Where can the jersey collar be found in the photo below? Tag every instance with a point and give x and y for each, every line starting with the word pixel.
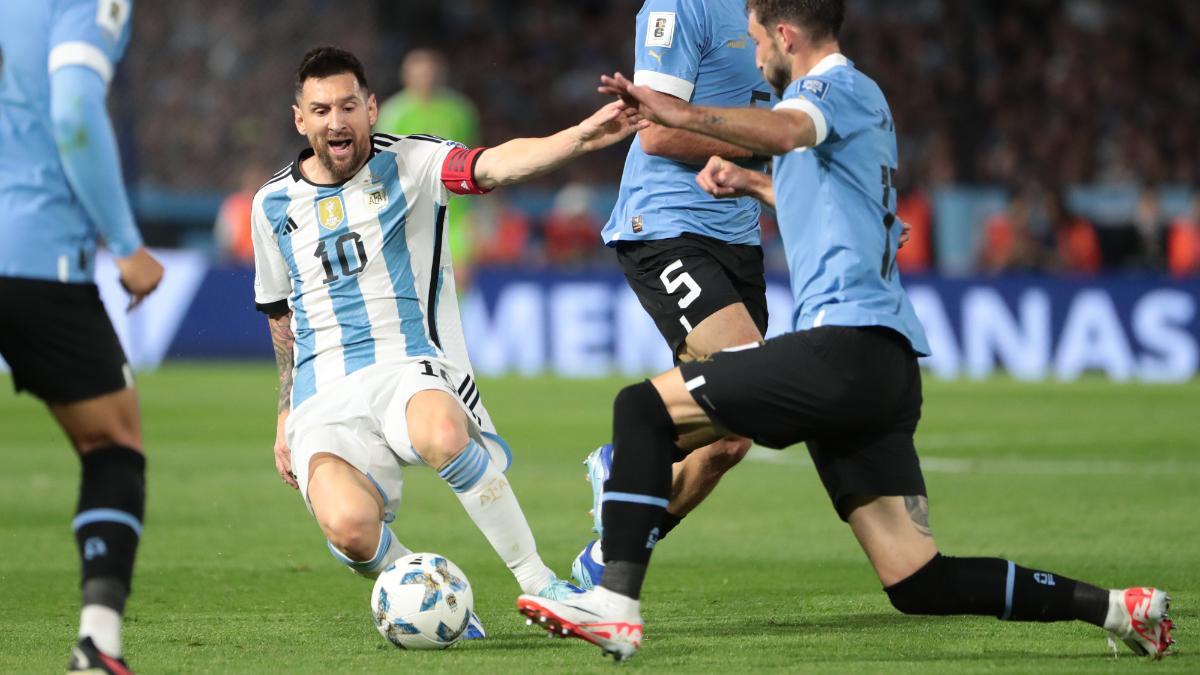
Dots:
pixel 827 64
pixel 298 175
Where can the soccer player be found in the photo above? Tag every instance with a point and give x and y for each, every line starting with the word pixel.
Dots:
pixel 353 273
pixel 694 262
pixel 846 381
pixel 61 188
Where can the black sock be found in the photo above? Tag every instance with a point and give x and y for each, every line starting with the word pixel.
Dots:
pixel 669 521
pixel 639 485
pixel 995 587
pixel 108 522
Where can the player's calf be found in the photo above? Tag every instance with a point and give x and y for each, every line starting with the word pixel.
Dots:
pixel 108 525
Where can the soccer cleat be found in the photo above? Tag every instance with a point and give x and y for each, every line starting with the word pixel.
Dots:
pixel 558 589
pixel 1144 625
pixel 86 658
pixel 599 466
pixel 592 616
pixel 588 567
pixel 474 630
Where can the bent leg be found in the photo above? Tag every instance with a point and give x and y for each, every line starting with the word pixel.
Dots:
pixel 350 511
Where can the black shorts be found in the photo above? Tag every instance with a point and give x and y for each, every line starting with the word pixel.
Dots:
pixel 853 394
pixel 58 340
pixel 683 280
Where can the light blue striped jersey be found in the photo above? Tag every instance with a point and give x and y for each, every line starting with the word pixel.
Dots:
pixel 363 265
pixel 836 205
pixel 45 232
pixel 699 51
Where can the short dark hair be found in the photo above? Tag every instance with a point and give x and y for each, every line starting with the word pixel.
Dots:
pixel 822 19
pixel 326 62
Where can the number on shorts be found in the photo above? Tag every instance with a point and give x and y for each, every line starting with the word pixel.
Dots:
pixel 675 284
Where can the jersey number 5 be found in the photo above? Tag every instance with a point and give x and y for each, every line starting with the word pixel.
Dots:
pixel 888 175
pixel 358 251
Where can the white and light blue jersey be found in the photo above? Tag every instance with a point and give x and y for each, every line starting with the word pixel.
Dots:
pixel 699 51
pixel 836 205
pixel 363 265
pixel 46 231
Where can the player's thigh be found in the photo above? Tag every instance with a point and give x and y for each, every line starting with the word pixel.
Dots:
pixel 681 282
pixel 730 326
pixel 437 426
pixel 434 410
pixel 102 421
pixel 341 496
pixel 894 533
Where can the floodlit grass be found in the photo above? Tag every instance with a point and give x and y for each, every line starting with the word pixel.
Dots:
pixel 1091 480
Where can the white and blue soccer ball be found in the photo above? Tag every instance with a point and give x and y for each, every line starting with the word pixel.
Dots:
pixel 422 601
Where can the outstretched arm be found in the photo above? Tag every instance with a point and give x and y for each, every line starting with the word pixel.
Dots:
pixel 722 178
pixel 764 132
pixel 282 340
pixel 523 158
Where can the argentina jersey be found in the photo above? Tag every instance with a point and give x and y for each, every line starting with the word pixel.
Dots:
pixel 699 51
pixel 364 265
pixel 836 205
pixel 46 232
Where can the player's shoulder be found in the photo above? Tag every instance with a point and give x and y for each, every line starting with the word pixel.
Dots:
pixel 411 143
pixel 834 75
pixel 279 180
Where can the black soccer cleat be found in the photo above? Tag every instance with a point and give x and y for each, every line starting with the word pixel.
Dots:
pixel 85 658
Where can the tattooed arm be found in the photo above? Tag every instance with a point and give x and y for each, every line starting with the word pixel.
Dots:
pixel 282 340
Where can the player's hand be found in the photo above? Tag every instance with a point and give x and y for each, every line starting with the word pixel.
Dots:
pixel 283 454
pixel 664 109
pixel 612 123
pixel 722 178
pixel 140 275
pixel 905 229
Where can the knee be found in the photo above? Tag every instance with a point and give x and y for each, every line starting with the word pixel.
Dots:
pixel 438 439
pixel 354 534
pixel 726 453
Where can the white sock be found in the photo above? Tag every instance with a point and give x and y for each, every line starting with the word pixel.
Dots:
pixel 388 551
pixel 598 554
pixel 1116 621
pixel 622 605
pixel 489 500
pixel 103 625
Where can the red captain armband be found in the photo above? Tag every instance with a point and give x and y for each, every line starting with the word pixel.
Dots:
pixel 458 171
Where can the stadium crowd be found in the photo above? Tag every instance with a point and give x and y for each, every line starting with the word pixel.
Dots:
pixel 1033 96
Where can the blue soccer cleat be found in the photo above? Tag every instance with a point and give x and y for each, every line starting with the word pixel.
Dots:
pixel 558 589
pixel 588 568
pixel 474 629
pixel 599 466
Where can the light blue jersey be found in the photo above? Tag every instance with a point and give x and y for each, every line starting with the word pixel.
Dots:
pixel 60 181
pixel 696 50
pixel 836 205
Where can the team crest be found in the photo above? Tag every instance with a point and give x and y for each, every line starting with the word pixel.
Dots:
pixel 376 198
pixel 331 212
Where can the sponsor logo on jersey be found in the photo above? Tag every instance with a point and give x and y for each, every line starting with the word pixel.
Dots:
pixel 331 212
pixel 656 55
pixel 661 30
pixel 815 87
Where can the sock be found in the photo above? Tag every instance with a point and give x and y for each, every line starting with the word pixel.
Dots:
pixel 639 485
pixel 488 498
pixel 388 551
pixel 108 525
pixel 996 587
pixel 669 521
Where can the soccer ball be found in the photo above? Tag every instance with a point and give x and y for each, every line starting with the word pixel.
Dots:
pixel 422 601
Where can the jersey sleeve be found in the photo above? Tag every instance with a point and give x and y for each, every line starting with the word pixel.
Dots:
pixel 438 166
pixel 272 283
pixel 830 103
pixel 89 33
pixel 671 37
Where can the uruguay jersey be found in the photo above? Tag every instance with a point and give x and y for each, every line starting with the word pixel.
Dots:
pixel 696 50
pixel 836 205
pixel 45 232
pixel 363 265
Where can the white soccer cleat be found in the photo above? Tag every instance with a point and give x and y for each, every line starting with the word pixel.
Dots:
pixel 595 616
pixel 1142 622
pixel 599 466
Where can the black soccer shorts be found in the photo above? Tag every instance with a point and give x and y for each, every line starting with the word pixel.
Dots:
pixel 683 280
pixel 58 341
pixel 853 394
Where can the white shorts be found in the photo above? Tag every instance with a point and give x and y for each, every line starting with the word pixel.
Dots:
pixel 362 420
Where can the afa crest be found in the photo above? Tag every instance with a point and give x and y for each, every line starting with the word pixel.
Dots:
pixel 331 212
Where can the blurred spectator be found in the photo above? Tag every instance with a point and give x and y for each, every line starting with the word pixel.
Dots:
pixel 1076 247
pixel 1008 242
pixel 1151 229
pixel 505 234
pixel 917 255
pixel 572 229
pixel 426 105
pixel 231 231
pixel 1183 247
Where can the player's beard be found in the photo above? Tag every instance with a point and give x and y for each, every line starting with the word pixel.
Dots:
pixel 343 168
pixel 777 71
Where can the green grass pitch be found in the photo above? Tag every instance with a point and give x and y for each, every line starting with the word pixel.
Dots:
pixel 1091 480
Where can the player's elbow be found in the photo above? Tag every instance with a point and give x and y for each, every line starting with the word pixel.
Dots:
pixel 70 124
pixel 782 142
